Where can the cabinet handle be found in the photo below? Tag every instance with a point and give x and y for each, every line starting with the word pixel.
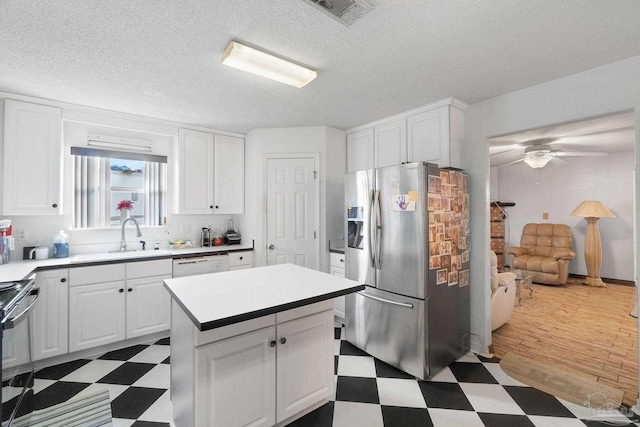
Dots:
pixel 121 290
pixel 216 206
pixel 55 205
pixel 63 280
pixel 210 206
pixel 341 260
pixel 129 290
pixel 283 340
pixel 240 258
pixel 272 344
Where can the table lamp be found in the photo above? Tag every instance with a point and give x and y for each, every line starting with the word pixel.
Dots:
pixel 593 210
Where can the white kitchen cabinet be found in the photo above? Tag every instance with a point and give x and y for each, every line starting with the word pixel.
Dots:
pixel 432 133
pixel 435 136
pixel 360 150
pixel 255 373
pixel 390 142
pixel 336 267
pixel 240 260
pixel 50 318
pixel 32 159
pixel 194 174
pixel 304 363
pixel 239 381
pixel 210 173
pixel 114 302
pixel 228 180
pixel 96 314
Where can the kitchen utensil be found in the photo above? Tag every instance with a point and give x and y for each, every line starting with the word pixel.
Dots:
pixel 5 223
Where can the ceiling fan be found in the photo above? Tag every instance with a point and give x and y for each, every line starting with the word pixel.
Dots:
pixel 538 153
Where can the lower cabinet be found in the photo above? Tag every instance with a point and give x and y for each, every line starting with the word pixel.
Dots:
pixel 96 315
pixel 134 304
pixel 336 267
pixel 50 317
pixel 257 378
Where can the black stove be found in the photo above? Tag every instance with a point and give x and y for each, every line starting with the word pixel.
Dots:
pixel 11 294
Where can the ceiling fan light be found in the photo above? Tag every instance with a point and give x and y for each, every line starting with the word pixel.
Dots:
pixel 538 161
pixel 263 64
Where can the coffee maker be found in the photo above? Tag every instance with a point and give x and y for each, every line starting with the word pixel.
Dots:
pixel 205 237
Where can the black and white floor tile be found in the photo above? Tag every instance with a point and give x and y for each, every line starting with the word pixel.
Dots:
pixel 473 391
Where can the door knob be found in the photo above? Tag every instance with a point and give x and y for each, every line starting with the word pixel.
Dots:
pixel 271 247
pixel 283 340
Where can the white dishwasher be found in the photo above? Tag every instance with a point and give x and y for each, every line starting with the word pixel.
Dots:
pixel 183 267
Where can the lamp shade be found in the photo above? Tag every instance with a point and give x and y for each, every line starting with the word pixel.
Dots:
pixel 537 162
pixel 592 209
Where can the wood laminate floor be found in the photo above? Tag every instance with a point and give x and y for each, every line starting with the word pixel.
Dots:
pixel 580 328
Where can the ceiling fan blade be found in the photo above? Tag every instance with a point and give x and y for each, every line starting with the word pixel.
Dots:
pixel 511 163
pixel 558 162
pixel 578 154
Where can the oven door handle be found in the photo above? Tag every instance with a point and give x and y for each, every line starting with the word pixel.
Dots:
pixel 9 322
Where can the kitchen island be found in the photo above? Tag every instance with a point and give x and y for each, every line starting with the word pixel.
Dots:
pixel 252 347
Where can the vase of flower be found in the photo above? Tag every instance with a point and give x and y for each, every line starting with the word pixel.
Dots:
pixel 124 206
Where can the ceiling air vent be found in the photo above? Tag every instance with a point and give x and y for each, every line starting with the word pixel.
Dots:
pixel 344 11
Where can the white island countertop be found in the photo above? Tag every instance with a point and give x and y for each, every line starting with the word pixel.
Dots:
pixel 221 299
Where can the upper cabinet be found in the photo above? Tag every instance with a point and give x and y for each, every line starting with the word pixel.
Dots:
pixel 210 174
pixel 32 159
pixel 228 180
pixel 429 134
pixel 360 150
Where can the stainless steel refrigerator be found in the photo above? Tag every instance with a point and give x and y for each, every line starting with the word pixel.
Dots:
pixel 407 239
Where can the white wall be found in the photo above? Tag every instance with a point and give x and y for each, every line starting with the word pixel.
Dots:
pixel 330 144
pixel 558 189
pixel 601 91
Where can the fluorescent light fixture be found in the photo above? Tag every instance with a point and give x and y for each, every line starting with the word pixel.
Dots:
pixel 263 64
pixel 538 161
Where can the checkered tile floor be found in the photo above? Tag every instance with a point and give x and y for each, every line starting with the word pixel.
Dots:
pixel 472 392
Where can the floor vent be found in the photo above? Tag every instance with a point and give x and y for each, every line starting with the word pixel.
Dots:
pixel 344 11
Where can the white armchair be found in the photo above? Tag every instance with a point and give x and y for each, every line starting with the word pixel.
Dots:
pixel 503 294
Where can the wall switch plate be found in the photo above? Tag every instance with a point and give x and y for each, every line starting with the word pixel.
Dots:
pixel 22 234
pixel 185 228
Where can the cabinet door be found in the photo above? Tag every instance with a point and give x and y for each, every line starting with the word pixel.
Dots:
pixel 228 180
pixel 194 172
pixel 96 315
pixel 360 150
pixel 32 165
pixel 50 319
pixel 391 143
pixel 428 137
pixel 237 381
pixel 148 306
pixel 304 363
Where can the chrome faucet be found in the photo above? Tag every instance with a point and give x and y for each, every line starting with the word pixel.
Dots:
pixel 123 241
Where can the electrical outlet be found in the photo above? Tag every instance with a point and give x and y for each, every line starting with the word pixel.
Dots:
pixel 185 228
pixel 23 234
pixel 545 215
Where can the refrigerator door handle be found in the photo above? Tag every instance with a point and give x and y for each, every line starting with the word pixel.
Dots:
pixel 378 227
pixel 372 225
pixel 388 301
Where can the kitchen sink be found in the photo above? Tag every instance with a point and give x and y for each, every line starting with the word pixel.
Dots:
pixel 108 256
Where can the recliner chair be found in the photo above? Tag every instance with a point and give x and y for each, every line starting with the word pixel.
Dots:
pixel 503 294
pixel 544 252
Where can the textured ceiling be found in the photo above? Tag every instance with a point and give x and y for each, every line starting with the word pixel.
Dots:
pixel 161 58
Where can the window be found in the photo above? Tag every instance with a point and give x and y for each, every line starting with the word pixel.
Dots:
pixel 103 178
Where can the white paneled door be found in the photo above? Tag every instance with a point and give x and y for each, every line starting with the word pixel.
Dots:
pixel 291 212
